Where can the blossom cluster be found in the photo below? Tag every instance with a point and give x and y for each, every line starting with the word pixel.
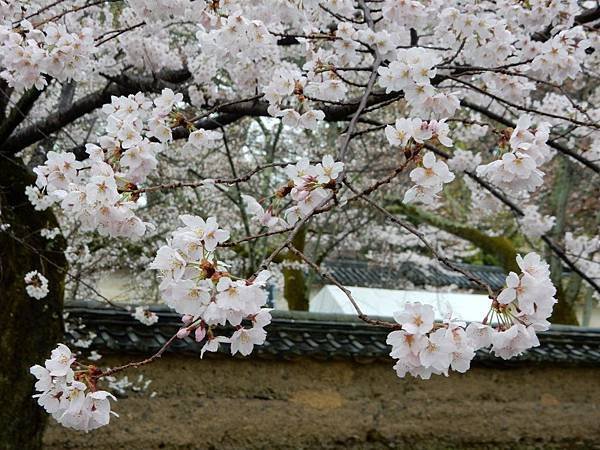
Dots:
pixel 481 37
pixel 158 10
pixel 585 252
pixel 423 347
pixel 560 57
pixel 63 394
pixel 28 55
pixel 522 308
pixel 509 88
pixel 201 138
pixel 518 170
pixel 36 285
pixel 145 316
pixel 464 161
pixel 96 191
pixel 419 131
pixel 308 187
pixel 286 84
pixel 412 72
pixel 236 37
pixel 528 298
pixel 198 286
pixel 429 180
pixel 533 224
pixel 540 14
pixel 263 217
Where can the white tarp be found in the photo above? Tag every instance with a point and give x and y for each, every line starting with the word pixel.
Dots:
pixel 384 302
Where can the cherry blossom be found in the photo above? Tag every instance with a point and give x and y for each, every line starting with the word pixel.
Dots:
pixel 244 340
pixel 36 285
pixel 192 89
pixel 416 318
pixel 529 297
pixel 518 170
pixel 145 316
pixel 125 157
pixel 533 224
pixel 71 402
pixel 423 349
pixel 204 138
pixel 200 288
pixel 264 218
pixel 429 180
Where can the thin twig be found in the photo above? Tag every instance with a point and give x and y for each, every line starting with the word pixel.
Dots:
pixel 137 364
pixel 408 227
pixel 325 275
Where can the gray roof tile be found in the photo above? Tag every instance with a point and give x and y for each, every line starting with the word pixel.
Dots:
pixel 367 274
pixel 322 336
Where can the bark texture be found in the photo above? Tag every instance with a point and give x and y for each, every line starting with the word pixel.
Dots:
pixel 29 328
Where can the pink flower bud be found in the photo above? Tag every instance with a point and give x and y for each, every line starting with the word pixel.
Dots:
pixel 187 319
pixel 199 334
pixel 182 333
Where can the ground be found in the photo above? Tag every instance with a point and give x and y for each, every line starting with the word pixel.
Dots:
pixel 306 404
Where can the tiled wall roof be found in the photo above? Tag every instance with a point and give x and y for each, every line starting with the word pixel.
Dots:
pixel 295 334
pixel 361 273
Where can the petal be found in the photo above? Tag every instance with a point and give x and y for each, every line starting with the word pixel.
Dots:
pixel 507 296
pixel 512 280
pixel 429 160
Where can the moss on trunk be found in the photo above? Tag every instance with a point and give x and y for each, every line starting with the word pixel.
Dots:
pixel 294 288
pixel 503 251
pixel 564 310
pixel 500 248
pixel 29 328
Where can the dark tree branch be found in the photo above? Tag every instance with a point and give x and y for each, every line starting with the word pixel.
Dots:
pixel 119 85
pixel 67 94
pixel 588 16
pixel 5 93
pixel 555 145
pixel 19 112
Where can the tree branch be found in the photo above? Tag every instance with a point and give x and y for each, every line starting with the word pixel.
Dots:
pixel 555 145
pixel 120 85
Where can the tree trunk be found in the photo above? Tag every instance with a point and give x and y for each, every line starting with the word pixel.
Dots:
pixel 294 287
pixel 564 310
pixel 29 328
